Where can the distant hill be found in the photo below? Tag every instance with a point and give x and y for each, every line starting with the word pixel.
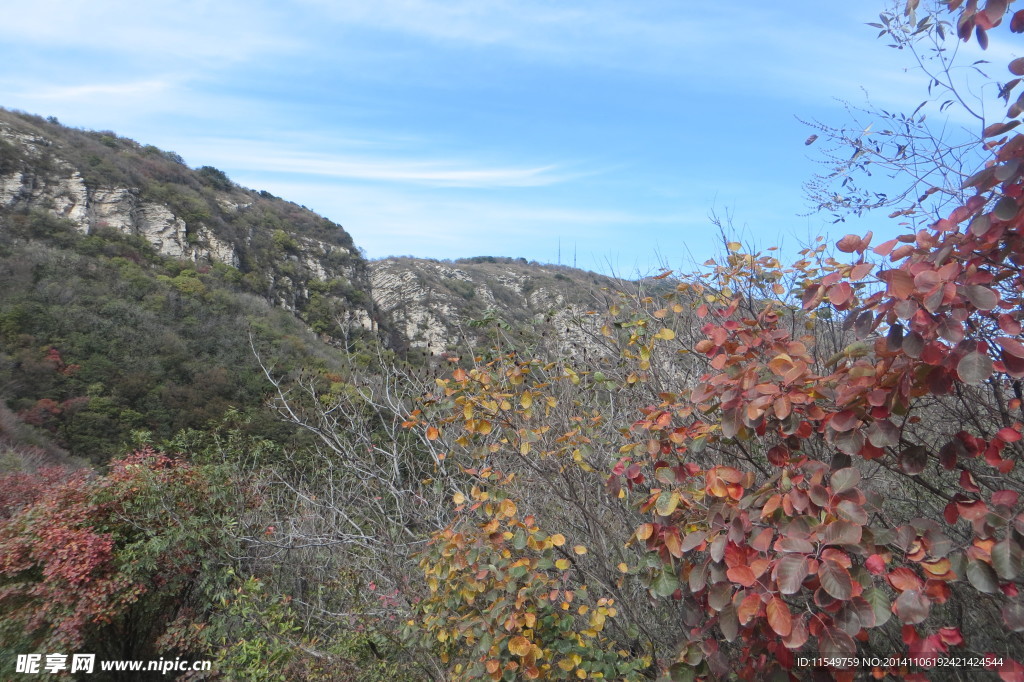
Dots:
pixel 448 306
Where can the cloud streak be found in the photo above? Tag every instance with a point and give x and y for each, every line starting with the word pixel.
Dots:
pixel 429 172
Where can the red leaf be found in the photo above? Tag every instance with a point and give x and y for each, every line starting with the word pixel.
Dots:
pixel 791 571
pixel 779 617
pixel 898 283
pixel 748 608
pixel 834 643
pixel 844 421
pixel 982 297
pixel 1006 498
pixel 951 636
pixel 1011 346
pixel 841 533
pixel 968 483
pixel 903 579
pixel 972 510
pixel 741 575
pixel 914 459
pixel 875 563
pixel 798 636
pixel 1008 435
pixel 835 580
pixel 849 244
pixel 840 293
pixel 1011 671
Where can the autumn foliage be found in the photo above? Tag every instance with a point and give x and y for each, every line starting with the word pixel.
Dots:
pixel 825 488
pixel 124 564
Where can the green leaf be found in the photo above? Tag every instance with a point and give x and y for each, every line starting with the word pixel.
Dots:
pixel 982 577
pixel 879 605
pixel 1006 208
pixel 680 672
pixel 1007 559
pixel 975 368
pixel 665 583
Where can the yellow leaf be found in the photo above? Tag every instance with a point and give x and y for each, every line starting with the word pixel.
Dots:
pixel 566 664
pixel 508 508
pixel 579 549
pixel 526 400
pixel 519 646
pixel 562 564
pixel 557 539
pixel 734 246
pixel 458 498
pixel 665 334
pixel 623 568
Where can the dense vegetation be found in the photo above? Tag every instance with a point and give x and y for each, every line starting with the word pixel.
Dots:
pixel 731 469
pixel 102 338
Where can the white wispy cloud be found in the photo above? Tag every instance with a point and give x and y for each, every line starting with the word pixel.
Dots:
pixel 270 158
pixel 387 220
pixel 144 88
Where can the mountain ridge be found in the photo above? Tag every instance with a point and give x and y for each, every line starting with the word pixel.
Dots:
pixel 283 252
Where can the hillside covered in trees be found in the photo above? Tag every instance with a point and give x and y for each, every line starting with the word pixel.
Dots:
pixel 227 436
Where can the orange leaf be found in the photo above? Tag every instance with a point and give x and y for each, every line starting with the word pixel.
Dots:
pixel 779 617
pixel 519 646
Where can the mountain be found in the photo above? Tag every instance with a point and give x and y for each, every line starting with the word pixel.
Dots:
pixel 97 181
pixel 133 289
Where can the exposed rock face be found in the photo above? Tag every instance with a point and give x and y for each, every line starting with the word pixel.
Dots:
pixel 86 179
pixel 441 307
pixel 65 194
pixel 285 253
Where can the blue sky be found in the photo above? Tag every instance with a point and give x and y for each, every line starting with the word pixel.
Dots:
pixel 451 128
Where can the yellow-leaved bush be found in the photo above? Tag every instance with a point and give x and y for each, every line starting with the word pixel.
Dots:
pixel 506 602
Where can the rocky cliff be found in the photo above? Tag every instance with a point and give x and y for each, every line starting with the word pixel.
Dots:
pixel 286 254
pixel 99 181
pixel 450 306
